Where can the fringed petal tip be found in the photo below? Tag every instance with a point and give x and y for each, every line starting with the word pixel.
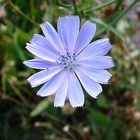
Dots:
pixel 74 106
pixel 28 45
pixel 92 23
pixel 108 79
pixel 113 65
pixel 40 95
pixel 30 82
pixel 25 62
pixel 69 16
pixel 108 44
pixel 98 95
pixel 61 106
pixel 32 85
pixel 77 106
pixel 33 38
pixel 112 62
pixel 44 23
pixel 58 106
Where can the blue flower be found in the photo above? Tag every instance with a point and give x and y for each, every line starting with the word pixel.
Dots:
pixel 68 60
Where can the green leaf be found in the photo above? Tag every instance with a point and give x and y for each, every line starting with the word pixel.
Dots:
pixel 18 47
pixel 39 108
pixel 99 118
pixel 101 101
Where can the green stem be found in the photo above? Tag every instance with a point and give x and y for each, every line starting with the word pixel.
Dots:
pixel 21 13
pixel 101 6
pixel 17 92
pixel 124 12
pixel 3 82
pixel 32 9
pixel 119 2
pixel 113 22
pixel 75 7
pixel 4 5
pixel 64 5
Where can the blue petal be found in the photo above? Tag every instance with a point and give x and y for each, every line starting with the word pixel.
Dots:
pixel 43 76
pixel 92 87
pixel 85 36
pixel 52 36
pixel 52 85
pixel 97 62
pixel 40 40
pixel 41 52
pixel 75 92
pixel 99 47
pixel 39 63
pixel 61 93
pixel 68 29
pixel 100 76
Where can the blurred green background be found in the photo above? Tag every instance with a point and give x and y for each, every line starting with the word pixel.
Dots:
pixel 115 115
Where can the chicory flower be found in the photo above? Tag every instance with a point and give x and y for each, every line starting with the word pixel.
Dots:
pixel 68 61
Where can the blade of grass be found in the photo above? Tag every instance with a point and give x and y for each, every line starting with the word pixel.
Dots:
pixel 119 2
pixel 18 48
pixel 17 92
pixel 101 6
pixel 16 8
pixel 41 106
pixel 75 7
pixel 124 12
pixel 3 82
pixel 32 10
pixel 118 17
pixel 63 4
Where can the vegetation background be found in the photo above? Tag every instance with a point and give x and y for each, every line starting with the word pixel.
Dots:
pixel 115 115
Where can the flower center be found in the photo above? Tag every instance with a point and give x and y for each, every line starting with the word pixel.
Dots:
pixel 67 61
